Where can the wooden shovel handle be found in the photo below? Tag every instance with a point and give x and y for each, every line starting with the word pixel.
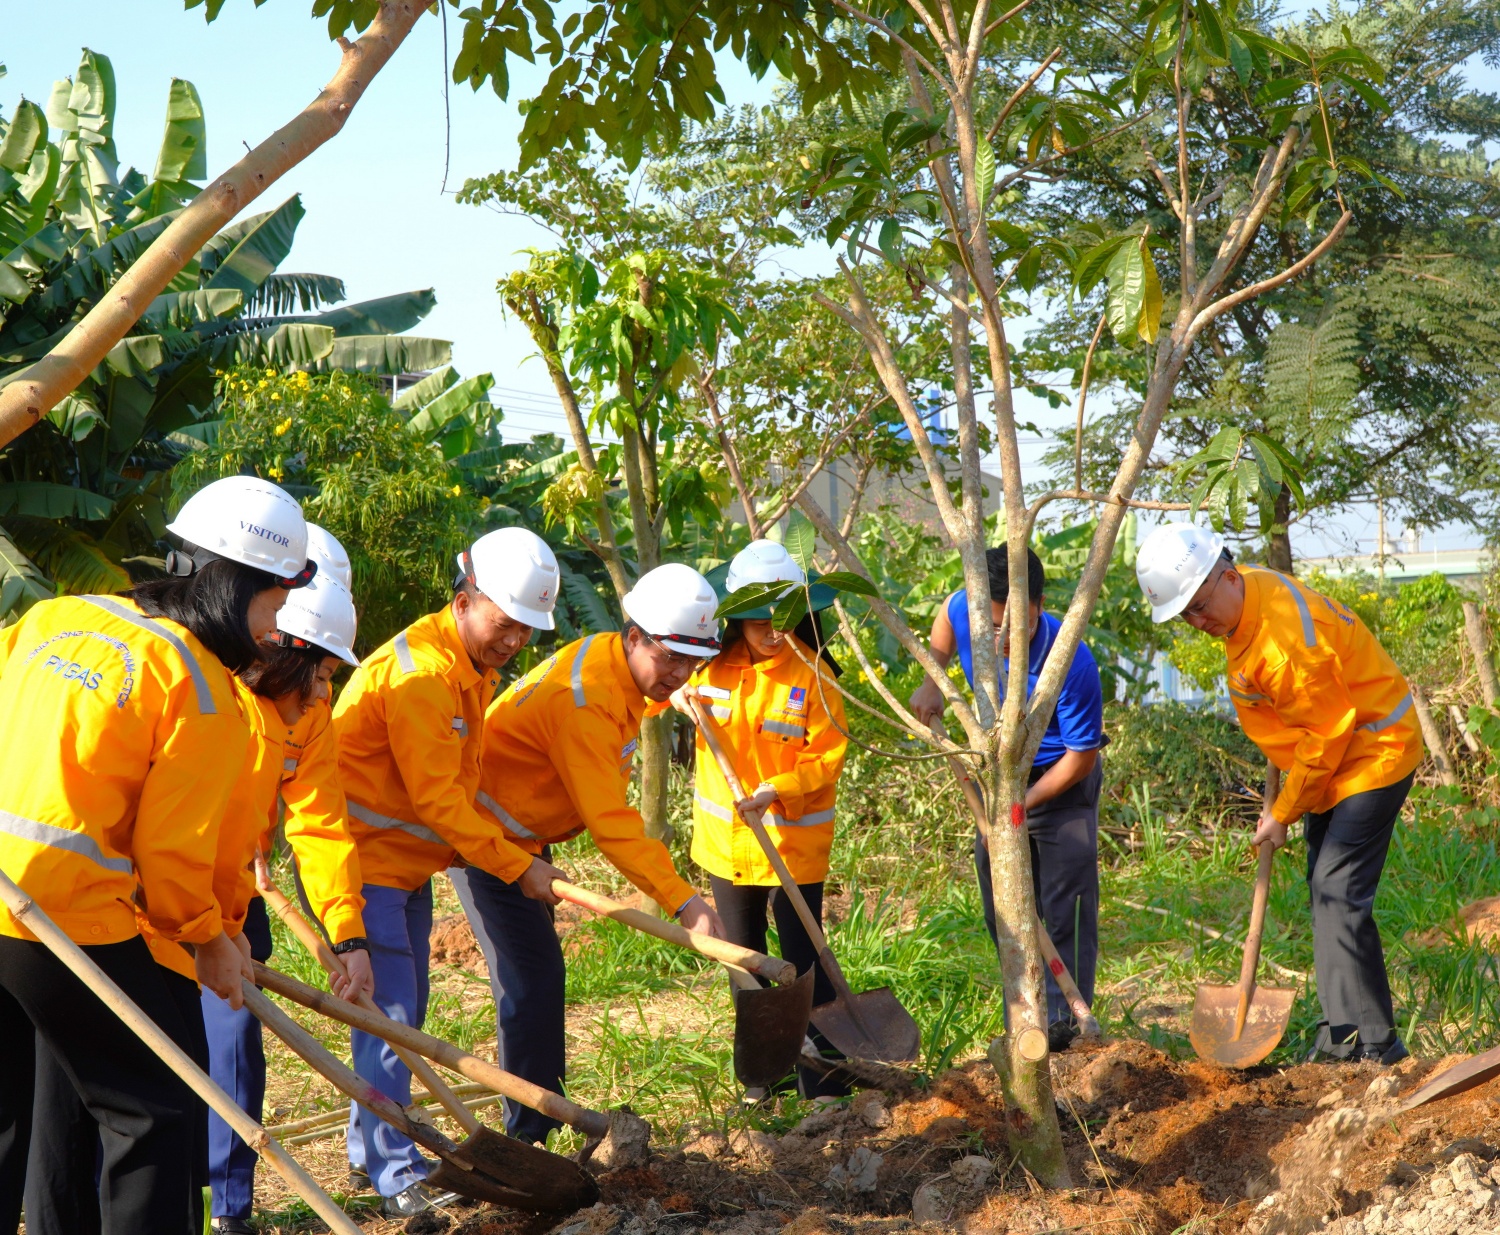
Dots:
pixel 309 938
pixel 710 730
pixel 31 915
pixel 1251 960
pixel 553 1105
pixel 345 1079
pixel 772 967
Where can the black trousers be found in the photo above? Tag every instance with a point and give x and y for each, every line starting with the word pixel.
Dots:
pixel 1346 851
pixel 743 909
pixel 62 1173
pixel 1064 836
pixel 528 980
pixel 144 1114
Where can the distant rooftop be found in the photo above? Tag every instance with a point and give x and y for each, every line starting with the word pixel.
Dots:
pixel 1404 564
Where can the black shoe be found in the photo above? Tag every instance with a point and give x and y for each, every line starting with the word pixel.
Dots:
pixel 1060 1035
pixel 231 1226
pixel 358 1179
pixel 416 1199
pixel 1385 1056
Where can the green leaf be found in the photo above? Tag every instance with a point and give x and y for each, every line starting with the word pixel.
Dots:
pixel 260 249
pixel 1150 321
pixel 801 539
pixel 848 581
pixel 790 611
pixel 1029 268
pixel 984 170
pixel 1240 58
pixel 27 132
pixel 385 354
pixel 387 315
pixel 136 355
pixel 42 500
pixel 1092 263
pixel 437 414
pixel 293 346
pixel 1211 28
pixel 1126 302
pixel 184 145
pixel 425 391
pixel 21 583
pixel 750 597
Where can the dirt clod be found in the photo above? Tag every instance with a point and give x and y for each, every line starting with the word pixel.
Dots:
pixel 430 1223
pixel 453 943
pixel 627 1145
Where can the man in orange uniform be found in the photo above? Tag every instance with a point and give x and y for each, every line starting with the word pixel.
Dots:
pixel 558 748
pixel 1330 709
pixel 408 727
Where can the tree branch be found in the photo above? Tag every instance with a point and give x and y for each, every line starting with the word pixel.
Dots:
pixel 1083 394
pixel 25 400
pixel 1024 86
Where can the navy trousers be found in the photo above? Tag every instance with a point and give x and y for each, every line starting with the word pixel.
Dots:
pixel 528 979
pixel 1064 835
pixel 237 1061
pixel 1346 850
pixel 398 925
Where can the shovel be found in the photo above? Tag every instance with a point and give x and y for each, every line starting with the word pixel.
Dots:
pixel 870 1025
pixel 1455 1080
pixel 30 914
pixel 508 1173
pixel 490 1151
pixel 1088 1024
pixel 769 1021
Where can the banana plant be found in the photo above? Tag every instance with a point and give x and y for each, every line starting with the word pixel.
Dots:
pixel 81 496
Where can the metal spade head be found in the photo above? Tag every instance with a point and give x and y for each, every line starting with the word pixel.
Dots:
pixel 1455 1080
pixel 870 1025
pixel 1212 1030
pixel 515 1173
pixel 769 1025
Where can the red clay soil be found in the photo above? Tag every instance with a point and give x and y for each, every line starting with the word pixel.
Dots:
pixel 1168 1143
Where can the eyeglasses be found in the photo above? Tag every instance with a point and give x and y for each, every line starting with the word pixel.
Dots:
pixel 676 659
pixel 1199 607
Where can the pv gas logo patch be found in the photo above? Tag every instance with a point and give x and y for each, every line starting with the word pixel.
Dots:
pixel 797 702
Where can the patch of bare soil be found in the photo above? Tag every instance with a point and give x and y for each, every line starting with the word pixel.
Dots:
pixel 1154 1145
pixel 1479 919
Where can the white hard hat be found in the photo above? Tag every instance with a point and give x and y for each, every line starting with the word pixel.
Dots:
pixel 518 571
pixel 1172 564
pixel 324 548
pixel 247 520
pixel 321 614
pixel 763 561
pixel 675 605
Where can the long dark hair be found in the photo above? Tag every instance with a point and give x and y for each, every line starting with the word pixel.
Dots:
pixel 213 603
pixel 285 671
pixel 809 632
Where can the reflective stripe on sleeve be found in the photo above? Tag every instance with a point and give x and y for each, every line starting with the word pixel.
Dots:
pixel 461 726
pixel 784 729
pixel 579 698
pixel 376 820
pixel 50 836
pixel 1248 696
pixel 200 683
pixel 288 765
pixel 505 817
pixel 1391 717
pixel 714 692
pixel 403 653
pixel 1309 632
pixel 772 819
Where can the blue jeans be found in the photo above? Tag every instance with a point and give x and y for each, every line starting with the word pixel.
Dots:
pixel 398 924
pixel 237 1061
pixel 528 979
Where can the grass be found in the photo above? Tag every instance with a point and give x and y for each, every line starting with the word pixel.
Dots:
pixel 650 1026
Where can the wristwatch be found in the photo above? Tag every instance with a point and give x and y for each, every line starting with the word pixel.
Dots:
pixel 358 944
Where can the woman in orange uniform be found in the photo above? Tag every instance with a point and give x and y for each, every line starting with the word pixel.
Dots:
pixel 291 686
pixel 123 713
pixel 785 732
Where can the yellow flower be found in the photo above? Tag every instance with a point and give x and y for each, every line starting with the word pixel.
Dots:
pixel 262 384
pixel 283 426
pixel 345 391
pixel 275 396
pixel 277 473
pixel 456 490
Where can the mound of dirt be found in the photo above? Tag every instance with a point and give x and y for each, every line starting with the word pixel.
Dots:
pixel 1480 920
pixel 453 943
pixel 1153 1144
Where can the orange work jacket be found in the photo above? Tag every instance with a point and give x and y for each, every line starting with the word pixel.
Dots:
pixel 317 825
pixel 123 742
pixel 780 728
pixel 1319 696
pixel 558 748
pixel 409 724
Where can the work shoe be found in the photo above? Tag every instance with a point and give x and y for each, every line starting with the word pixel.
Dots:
pixel 231 1226
pixel 358 1179
pixel 755 1095
pixel 1385 1056
pixel 1060 1035
pixel 418 1198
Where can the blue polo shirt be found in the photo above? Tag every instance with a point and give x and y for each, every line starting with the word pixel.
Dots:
pixel 1078 722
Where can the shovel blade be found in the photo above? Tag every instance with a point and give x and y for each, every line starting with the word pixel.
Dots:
pixel 769 1026
pixel 1455 1080
pixel 1212 1030
pixel 870 1025
pixel 514 1173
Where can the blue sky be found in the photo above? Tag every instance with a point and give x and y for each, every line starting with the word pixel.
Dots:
pixel 376 213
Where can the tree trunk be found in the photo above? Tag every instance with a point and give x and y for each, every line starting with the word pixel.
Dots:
pixel 1461 723
pixel 1020 1057
pixel 1433 736
pixel 1279 543
pixel 656 776
pixel 26 400
pixel 1474 628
